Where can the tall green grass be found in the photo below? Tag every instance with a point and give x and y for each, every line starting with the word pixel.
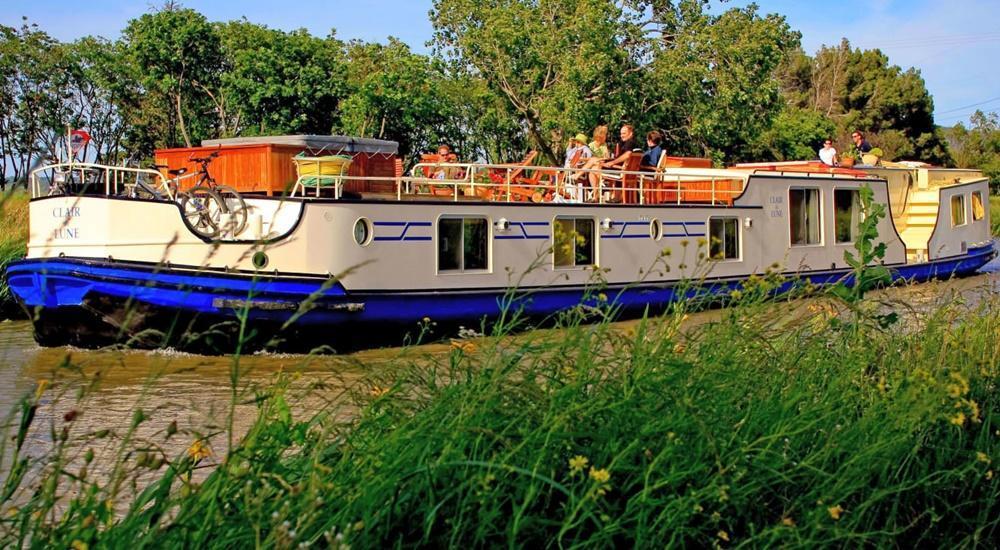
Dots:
pixel 767 426
pixel 995 215
pixel 13 240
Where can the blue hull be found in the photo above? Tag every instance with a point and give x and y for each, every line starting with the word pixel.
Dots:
pixel 125 299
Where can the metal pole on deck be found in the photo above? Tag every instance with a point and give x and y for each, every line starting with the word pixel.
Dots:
pixel 508 185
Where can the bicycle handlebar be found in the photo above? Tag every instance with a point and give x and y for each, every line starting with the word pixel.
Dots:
pixel 205 160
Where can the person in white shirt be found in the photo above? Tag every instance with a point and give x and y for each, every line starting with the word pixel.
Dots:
pixel 828 154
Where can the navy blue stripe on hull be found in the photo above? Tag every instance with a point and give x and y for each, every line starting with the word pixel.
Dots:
pixel 67 283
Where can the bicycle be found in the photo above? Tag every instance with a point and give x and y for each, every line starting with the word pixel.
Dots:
pixel 209 208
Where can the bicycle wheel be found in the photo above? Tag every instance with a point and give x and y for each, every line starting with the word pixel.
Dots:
pixel 202 208
pixel 236 208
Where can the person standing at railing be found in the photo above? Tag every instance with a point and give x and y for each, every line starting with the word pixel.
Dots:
pixel 828 154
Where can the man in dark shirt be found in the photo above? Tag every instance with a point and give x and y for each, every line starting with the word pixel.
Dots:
pixel 625 146
pixel 860 143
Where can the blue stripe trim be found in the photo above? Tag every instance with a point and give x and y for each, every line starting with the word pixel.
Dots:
pixel 524 232
pixel 402 235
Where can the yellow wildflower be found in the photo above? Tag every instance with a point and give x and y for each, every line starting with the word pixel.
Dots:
pixel 600 476
pixel 602 297
pixel 989 475
pixel 788 522
pixel 198 450
pixel 723 535
pixel 577 463
pixel 378 391
pixel 835 511
pixel 983 457
pixel 958 419
pixel 78 545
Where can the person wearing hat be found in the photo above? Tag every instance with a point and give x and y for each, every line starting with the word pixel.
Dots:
pixel 577 153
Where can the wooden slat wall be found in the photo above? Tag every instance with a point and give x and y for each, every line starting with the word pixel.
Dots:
pixel 269 168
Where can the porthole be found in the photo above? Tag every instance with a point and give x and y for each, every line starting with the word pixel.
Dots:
pixel 655 230
pixel 362 231
pixel 259 260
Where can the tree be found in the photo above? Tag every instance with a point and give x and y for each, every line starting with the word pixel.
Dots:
pixel 278 83
pixel 560 65
pixel 860 90
pixel 99 98
pixel 177 58
pixel 978 146
pixel 397 95
pixel 33 93
pixel 713 87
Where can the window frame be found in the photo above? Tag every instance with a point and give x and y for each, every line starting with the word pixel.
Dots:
pixel 462 270
pixel 595 239
pixel 972 205
pixel 739 239
pixel 857 195
pixel 964 210
pixel 819 209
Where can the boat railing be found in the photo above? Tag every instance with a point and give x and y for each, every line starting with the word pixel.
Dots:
pixel 83 177
pixel 449 181
pixel 519 183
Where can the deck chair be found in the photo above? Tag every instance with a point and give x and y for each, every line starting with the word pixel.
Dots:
pixel 320 172
pixel 654 192
pixel 430 171
pixel 627 182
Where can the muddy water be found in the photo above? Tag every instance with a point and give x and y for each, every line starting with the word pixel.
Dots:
pixel 102 389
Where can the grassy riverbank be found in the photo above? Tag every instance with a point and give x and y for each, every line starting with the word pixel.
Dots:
pixel 13 240
pixel 762 428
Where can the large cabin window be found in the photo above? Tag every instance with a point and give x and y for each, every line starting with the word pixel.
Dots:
pixel 846 214
pixel 463 244
pixel 573 242
pixel 724 239
pixel 978 208
pixel 803 216
pixel 957 210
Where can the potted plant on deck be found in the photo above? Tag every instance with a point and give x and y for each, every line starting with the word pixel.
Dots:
pixel 848 159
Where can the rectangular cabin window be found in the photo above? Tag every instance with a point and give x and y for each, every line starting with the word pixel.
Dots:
pixel 846 214
pixel 463 244
pixel 803 205
pixel 724 238
pixel 957 210
pixel 573 242
pixel 978 208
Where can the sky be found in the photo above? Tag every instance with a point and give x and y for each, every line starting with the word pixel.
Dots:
pixel 954 43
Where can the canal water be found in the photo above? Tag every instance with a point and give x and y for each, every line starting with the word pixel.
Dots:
pixel 100 390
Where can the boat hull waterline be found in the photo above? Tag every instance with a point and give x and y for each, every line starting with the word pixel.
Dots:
pixel 92 303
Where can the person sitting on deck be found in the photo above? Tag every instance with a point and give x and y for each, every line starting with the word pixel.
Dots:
pixel 828 154
pixel 444 155
pixel 626 146
pixel 598 148
pixel 651 158
pixel 578 152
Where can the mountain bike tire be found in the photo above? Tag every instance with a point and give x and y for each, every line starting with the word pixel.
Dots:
pixel 236 207
pixel 202 208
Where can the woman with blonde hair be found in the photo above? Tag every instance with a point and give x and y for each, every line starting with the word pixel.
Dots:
pixel 600 151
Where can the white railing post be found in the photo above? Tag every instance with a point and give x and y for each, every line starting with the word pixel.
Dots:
pixel 508 184
pixel 642 198
pixel 678 189
pixel 713 190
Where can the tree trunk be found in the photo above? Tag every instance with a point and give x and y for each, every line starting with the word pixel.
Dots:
pixel 180 120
